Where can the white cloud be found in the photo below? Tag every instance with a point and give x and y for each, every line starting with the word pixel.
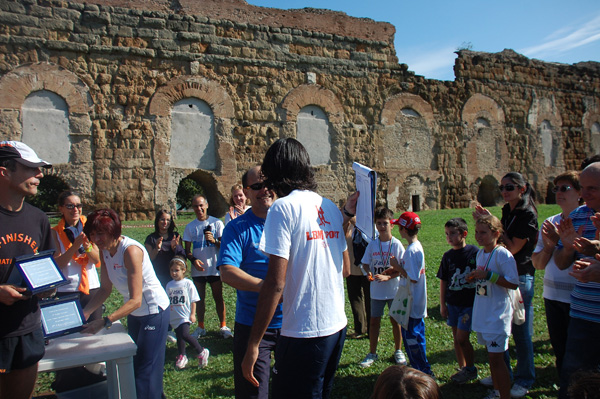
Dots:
pixel 566 39
pixel 435 64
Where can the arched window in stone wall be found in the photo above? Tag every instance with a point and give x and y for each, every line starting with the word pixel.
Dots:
pixel 408 146
pixel 192 135
pixel 48 107
pixel 485 148
pixel 46 126
pixel 409 112
pixel 595 138
pixel 407 141
pixel 482 123
pixel 313 131
pixel 193 138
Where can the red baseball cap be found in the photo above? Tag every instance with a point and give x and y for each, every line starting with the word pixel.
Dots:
pixel 21 153
pixel 410 220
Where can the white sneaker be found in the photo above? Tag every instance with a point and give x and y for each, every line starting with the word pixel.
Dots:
pixel 518 391
pixel 399 357
pixel 492 394
pixel 226 332
pixel 487 381
pixel 181 362
pixel 171 338
pixel 198 332
pixel 203 358
pixel 368 360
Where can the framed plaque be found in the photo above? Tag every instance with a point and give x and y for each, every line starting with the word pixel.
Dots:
pixel 40 271
pixel 61 316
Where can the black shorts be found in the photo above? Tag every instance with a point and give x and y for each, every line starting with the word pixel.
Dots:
pixel 21 352
pixel 206 279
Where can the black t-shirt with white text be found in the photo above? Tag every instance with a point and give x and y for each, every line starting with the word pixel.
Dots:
pixel 21 233
pixel 454 268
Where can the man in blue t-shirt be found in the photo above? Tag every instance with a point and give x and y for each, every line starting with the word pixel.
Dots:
pixel 244 267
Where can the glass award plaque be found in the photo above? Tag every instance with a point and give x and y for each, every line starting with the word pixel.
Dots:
pixel 61 316
pixel 40 272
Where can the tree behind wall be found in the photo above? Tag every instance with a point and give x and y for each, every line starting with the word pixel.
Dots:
pixel 48 190
pixel 186 191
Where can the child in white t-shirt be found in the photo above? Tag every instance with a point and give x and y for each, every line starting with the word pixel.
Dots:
pixel 496 273
pixel 183 297
pixel 375 262
pixel 412 266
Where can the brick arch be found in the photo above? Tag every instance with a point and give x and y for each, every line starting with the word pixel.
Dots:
pixel 185 87
pixel 395 104
pixel 481 106
pixel 167 177
pixel 310 94
pixel 26 79
pixel 16 85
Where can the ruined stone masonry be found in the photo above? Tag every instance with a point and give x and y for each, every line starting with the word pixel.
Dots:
pixel 127 98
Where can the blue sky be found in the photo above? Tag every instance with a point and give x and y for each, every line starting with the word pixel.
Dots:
pixel 428 32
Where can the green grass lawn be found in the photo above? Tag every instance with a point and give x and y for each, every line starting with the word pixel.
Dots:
pixel 216 381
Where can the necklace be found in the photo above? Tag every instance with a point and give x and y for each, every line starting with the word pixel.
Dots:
pixel 385 260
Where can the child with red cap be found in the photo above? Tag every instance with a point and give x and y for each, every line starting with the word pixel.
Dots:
pixel 412 266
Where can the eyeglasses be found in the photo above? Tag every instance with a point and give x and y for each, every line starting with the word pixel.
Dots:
pixel 562 189
pixel 257 186
pixel 72 206
pixel 507 187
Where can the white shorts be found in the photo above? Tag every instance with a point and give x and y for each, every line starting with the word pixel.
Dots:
pixel 495 343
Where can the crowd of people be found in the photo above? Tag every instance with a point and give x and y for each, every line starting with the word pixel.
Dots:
pixel 287 251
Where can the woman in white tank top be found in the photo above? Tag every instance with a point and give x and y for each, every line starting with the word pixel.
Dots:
pixel 127 266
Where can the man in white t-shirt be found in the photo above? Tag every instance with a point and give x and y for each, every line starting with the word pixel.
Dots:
pixel 202 240
pixel 308 260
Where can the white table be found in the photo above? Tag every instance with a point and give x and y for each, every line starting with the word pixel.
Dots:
pixel 113 346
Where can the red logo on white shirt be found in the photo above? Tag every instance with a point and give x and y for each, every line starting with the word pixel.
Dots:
pixel 321 213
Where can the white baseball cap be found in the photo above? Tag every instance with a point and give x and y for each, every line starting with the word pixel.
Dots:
pixel 21 153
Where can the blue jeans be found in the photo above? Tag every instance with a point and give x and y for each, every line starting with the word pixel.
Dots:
pixel 305 367
pixel 582 351
pixel 525 373
pixel 150 335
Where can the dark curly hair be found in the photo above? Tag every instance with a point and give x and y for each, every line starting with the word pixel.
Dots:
pixel 286 167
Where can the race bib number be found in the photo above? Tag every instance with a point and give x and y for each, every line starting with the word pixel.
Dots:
pixel 482 289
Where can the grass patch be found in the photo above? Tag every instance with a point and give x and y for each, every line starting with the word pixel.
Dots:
pixel 216 381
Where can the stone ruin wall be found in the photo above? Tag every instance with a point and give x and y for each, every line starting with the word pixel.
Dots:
pixel 121 66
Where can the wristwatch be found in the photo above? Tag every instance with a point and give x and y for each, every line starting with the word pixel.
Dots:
pixel 107 323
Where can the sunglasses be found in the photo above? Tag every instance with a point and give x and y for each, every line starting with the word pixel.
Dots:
pixel 507 187
pixel 562 189
pixel 73 206
pixel 257 186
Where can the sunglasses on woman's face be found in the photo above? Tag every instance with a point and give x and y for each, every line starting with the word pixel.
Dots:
pixel 72 206
pixel 562 189
pixel 507 187
pixel 257 186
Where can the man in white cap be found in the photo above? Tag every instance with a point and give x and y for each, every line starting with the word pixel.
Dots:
pixel 24 229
